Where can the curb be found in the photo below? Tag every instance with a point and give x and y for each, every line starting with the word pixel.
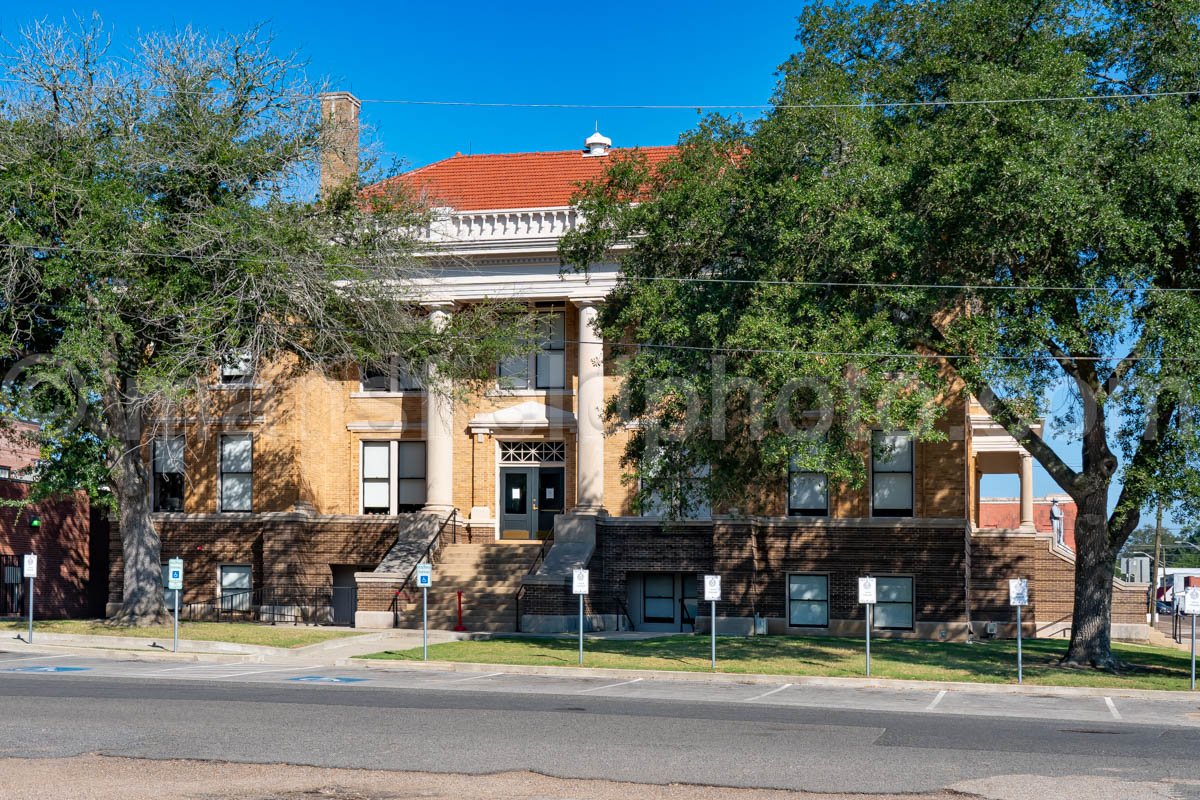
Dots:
pixel 131 655
pixel 892 684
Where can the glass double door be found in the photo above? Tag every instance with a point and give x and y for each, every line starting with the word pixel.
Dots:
pixel 530 497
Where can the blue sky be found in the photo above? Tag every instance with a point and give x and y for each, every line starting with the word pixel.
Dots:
pixel 579 52
pixel 619 53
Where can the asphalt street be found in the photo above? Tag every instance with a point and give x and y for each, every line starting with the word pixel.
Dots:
pixel 822 739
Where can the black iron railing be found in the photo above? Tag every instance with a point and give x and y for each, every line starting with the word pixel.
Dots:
pixel 274 606
pixel 547 543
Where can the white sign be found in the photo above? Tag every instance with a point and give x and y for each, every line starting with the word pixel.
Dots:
pixel 1018 591
pixel 424 576
pixel 30 566
pixel 579 581
pixel 1191 600
pixel 866 591
pixel 175 574
pixel 712 587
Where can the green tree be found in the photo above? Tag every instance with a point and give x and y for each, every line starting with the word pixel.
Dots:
pixel 885 239
pixel 153 231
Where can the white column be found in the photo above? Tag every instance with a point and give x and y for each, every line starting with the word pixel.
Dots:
pixel 439 432
pixel 1027 492
pixel 589 464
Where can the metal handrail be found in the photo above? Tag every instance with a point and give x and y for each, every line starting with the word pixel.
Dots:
pixel 547 543
pixel 684 617
pixel 427 556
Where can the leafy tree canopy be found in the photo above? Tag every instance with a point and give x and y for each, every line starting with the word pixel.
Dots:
pixel 887 239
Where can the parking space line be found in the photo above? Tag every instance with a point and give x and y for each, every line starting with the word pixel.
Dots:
pixel 934 703
pixel 475 677
pixel 609 686
pixel 776 690
pixel 262 672
pixel 191 666
pixel 1108 701
pixel 34 658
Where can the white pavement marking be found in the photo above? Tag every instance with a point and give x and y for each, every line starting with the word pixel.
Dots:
pixel 33 658
pixel 776 690
pixel 475 677
pixel 936 700
pixel 609 686
pixel 1112 707
pixel 262 671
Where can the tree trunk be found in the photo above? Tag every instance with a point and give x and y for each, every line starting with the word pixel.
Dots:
pixel 1091 640
pixel 142 601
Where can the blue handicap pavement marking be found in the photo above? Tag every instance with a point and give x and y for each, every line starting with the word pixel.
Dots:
pixel 47 669
pixel 325 679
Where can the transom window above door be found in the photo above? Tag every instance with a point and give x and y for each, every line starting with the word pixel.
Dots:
pixel 533 452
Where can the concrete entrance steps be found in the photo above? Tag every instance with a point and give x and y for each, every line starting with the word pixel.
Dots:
pixel 487 574
pixel 1162 634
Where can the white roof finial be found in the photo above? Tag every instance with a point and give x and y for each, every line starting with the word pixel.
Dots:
pixel 597 144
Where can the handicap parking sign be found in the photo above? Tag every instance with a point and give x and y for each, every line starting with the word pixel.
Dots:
pixel 424 576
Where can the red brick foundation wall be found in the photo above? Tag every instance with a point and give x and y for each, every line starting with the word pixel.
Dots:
pixel 289 553
pixel 66 585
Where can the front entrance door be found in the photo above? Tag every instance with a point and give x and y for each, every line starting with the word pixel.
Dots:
pixel 530 497
pixel 517 503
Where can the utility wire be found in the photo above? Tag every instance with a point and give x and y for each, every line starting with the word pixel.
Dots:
pixel 983 287
pixel 863 104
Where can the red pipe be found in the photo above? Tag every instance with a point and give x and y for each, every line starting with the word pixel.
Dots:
pixel 459 626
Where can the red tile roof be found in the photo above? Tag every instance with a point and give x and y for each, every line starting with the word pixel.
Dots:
pixel 513 180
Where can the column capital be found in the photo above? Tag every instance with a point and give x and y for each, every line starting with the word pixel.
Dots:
pixel 445 306
pixel 587 302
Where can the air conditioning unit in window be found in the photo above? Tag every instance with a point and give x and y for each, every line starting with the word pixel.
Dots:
pixel 990 630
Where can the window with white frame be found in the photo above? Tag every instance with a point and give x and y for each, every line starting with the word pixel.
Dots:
pixel 237 472
pixel 237 370
pixel 891 474
pixel 393 477
pixel 808 601
pixel 236 587
pixel 390 377
pixel 167 460
pixel 894 602
pixel 686 499
pixel 808 493
pixel 545 368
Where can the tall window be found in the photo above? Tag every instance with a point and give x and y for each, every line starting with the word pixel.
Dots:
pixel 377 477
pixel 891 474
pixel 894 602
pixel 808 493
pixel 168 473
pixel 808 601
pixel 237 472
pixel 237 370
pixel 393 477
pixel 658 597
pixel 394 376
pixel 546 367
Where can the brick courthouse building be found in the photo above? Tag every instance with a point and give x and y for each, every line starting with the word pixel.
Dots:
pixel 321 494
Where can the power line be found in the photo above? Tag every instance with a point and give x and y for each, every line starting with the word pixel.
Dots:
pixel 648 278
pixel 862 104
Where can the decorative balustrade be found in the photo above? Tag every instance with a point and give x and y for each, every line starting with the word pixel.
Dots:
pixel 491 226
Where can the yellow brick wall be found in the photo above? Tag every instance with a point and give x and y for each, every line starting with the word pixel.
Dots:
pixel 305 452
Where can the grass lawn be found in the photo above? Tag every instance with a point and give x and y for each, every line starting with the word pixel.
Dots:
pixel 237 632
pixel 985 662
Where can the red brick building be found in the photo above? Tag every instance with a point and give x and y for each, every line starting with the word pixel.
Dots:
pixel 1005 512
pixel 70 540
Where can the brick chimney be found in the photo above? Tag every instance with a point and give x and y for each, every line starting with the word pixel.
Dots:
pixel 339 155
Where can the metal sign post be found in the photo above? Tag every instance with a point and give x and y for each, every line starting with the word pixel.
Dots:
pixel 712 593
pixel 1191 607
pixel 175 584
pixel 30 573
pixel 866 597
pixel 1018 595
pixel 424 580
pixel 579 585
